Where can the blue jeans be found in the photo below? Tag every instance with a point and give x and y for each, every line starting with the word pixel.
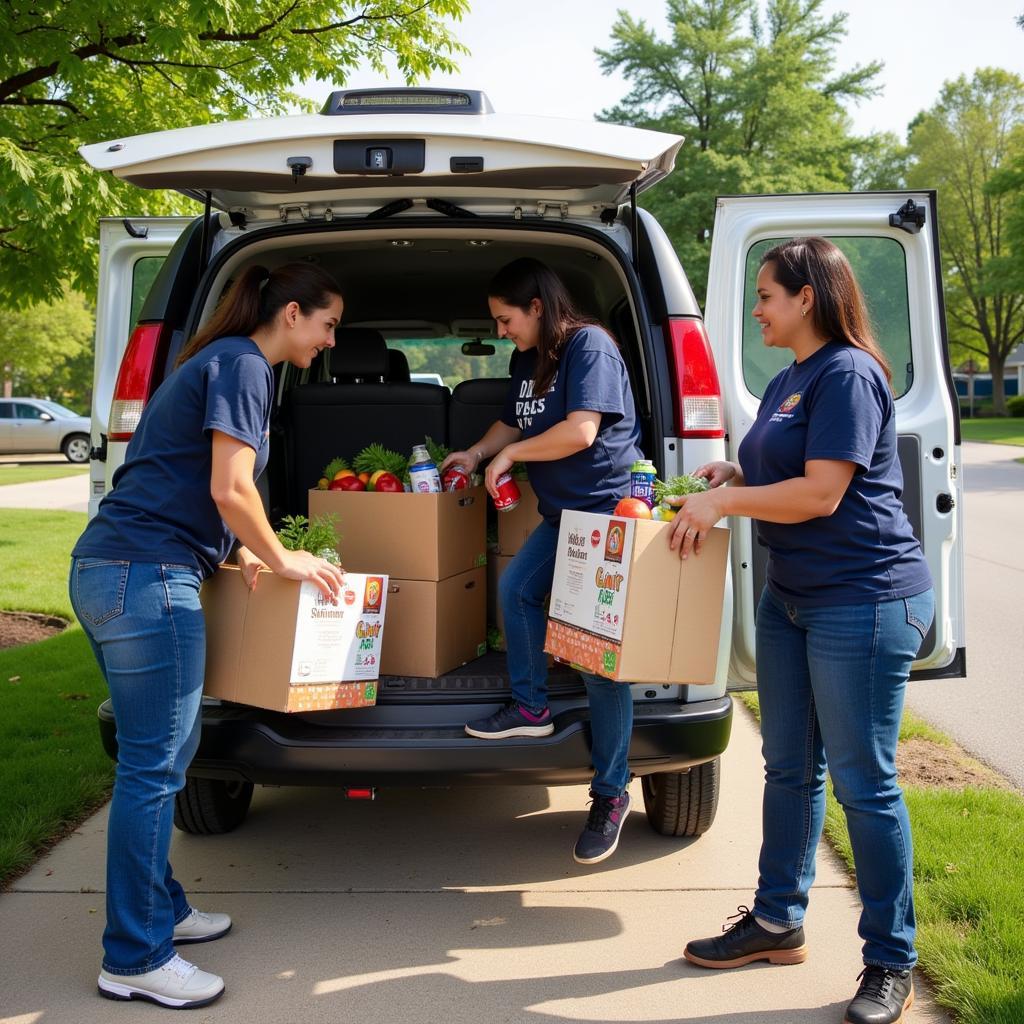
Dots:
pixel 524 587
pixel 146 628
pixel 831 682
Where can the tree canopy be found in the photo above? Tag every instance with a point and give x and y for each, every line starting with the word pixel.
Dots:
pixel 757 99
pixel 970 146
pixel 78 71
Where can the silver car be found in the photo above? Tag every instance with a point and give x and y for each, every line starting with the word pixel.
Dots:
pixel 39 425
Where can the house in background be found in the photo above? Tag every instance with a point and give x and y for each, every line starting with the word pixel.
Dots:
pixel 977 387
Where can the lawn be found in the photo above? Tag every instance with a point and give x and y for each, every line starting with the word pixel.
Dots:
pixel 30 472
pixel 968 889
pixel 996 431
pixel 54 771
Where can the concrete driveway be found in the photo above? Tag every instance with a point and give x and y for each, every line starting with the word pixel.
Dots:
pixel 460 906
pixel 67 493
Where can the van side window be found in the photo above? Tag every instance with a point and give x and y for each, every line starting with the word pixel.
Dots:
pixel 881 268
pixel 144 273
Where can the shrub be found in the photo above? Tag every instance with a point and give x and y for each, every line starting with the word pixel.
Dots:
pixel 1015 405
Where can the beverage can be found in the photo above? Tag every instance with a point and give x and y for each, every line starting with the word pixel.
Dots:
pixel 642 475
pixel 455 479
pixel 423 475
pixel 508 493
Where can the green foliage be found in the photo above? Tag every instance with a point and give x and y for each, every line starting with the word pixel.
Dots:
pixel 678 485
pixel 46 350
pixel 79 72
pixel 757 100
pixel 438 452
pixel 35 552
pixel 974 131
pixel 1015 406
pixel 318 536
pixel 376 456
pixel 335 466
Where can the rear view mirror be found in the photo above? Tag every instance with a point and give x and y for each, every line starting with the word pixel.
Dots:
pixel 477 348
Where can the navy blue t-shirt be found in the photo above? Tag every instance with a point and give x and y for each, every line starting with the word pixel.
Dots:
pixel 160 508
pixel 591 376
pixel 836 404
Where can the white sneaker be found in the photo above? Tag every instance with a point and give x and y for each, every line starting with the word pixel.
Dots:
pixel 177 984
pixel 200 927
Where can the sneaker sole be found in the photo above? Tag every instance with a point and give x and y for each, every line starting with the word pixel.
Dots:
pixel 783 957
pixel 189 940
pixel 126 993
pixel 611 850
pixel 900 1019
pixel 519 730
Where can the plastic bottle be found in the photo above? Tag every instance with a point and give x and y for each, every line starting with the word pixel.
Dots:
pixel 423 474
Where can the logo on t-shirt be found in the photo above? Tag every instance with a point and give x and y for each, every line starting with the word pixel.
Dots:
pixel 785 411
pixel 527 406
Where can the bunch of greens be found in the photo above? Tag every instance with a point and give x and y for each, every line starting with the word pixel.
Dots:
pixel 376 456
pixel 678 485
pixel 438 452
pixel 297 533
pixel 334 467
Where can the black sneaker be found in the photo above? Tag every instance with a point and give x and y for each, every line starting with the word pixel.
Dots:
pixel 600 835
pixel 884 996
pixel 512 720
pixel 746 941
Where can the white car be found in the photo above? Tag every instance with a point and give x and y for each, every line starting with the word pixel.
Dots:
pixel 34 425
pixel 413 199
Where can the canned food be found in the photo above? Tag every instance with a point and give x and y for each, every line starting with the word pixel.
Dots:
pixel 642 475
pixel 508 493
pixel 455 479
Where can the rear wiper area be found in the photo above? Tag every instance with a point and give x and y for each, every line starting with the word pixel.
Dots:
pixel 438 205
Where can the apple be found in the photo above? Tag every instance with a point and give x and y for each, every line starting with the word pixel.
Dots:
pixel 350 483
pixel 371 484
pixel 633 508
pixel 388 483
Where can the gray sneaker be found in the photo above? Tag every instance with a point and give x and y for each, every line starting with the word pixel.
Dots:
pixel 177 984
pixel 512 720
pixel 600 835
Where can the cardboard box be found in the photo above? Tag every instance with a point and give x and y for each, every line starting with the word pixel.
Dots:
pixel 285 648
pixel 434 627
pixel 515 525
pixel 496 565
pixel 408 536
pixel 624 606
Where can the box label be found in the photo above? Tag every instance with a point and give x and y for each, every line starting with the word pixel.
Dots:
pixel 583 650
pixel 592 574
pixel 336 642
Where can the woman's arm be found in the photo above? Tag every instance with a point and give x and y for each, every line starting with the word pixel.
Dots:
pixel 238 502
pixel 815 494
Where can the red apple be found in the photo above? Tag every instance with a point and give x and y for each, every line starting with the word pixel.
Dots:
pixel 633 508
pixel 388 483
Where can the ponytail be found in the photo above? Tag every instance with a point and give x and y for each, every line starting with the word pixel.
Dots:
pixel 257 296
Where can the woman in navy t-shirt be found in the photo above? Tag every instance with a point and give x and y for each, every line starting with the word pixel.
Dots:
pixel 184 493
pixel 847 605
pixel 570 418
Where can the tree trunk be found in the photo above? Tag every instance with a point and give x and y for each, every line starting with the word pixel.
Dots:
pixel 997 367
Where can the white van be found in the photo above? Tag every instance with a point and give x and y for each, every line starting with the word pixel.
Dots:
pixel 413 198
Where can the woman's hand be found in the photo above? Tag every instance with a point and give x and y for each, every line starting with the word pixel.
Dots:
pixel 467 461
pixel 250 566
pixel 310 568
pixel 717 473
pixel 499 465
pixel 697 514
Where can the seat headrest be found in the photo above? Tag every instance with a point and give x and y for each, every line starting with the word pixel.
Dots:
pixel 359 354
pixel 398 366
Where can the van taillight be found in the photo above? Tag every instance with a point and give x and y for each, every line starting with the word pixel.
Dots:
pixel 134 381
pixel 696 394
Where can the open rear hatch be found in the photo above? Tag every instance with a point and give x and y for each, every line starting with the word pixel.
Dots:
pixel 368 148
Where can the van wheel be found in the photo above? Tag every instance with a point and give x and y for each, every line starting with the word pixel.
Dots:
pixel 76 447
pixel 682 803
pixel 208 807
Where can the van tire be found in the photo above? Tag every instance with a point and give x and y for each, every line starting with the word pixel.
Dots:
pixel 75 448
pixel 683 803
pixel 209 807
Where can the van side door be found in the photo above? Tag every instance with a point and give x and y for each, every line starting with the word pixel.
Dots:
pixel 892 241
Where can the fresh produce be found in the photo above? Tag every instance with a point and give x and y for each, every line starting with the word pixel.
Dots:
pixel 349 482
pixel 331 471
pixel 661 514
pixel 375 457
pixel 677 486
pixel 297 533
pixel 633 508
pixel 438 452
pixel 365 477
pixel 388 483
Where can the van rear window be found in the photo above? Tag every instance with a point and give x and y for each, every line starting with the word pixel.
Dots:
pixel 444 357
pixel 881 268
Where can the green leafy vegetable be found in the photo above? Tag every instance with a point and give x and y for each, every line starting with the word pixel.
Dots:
pixel 297 533
pixel 677 485
pixel 376 456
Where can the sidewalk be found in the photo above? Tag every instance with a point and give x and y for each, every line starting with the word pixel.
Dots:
pixel 67 493
pixel 458 905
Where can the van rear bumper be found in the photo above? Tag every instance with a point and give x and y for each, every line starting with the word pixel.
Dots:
pixel 268 748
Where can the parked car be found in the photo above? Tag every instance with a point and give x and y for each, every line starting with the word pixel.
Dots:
pixel 413 206
pixel 34 425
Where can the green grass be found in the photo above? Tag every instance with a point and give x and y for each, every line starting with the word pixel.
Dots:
pixel 30 472
pixel 53 771
pixel 968 888
pixel 1003 430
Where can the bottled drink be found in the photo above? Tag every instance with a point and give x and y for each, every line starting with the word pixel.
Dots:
pixel 642 475
pixel 423 475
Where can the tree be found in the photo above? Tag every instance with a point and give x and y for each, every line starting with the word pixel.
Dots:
pixel 78 71
pixel 46 351
pixel 757 101
pixel 957 147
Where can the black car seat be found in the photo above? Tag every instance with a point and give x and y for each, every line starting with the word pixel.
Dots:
pixel 475 405
pixel 398 366
pixel 355 408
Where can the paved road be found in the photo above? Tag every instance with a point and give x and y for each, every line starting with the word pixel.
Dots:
pixel 985 711
pixel 463 906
